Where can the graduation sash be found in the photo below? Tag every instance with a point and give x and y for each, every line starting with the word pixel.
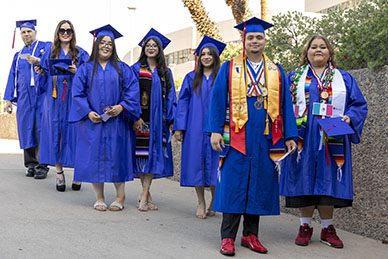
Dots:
pixel 238 107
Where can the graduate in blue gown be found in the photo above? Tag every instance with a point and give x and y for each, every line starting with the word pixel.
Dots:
pixel 21 90
pixel 252 90
pixel 199 161
pixel 157 101
pixel 105 103
pixel 57 146
pixel 319 175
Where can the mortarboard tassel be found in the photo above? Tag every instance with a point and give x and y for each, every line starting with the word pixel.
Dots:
pixel 94 38
pixel 64 90
pixel 195 61
pixel 13 41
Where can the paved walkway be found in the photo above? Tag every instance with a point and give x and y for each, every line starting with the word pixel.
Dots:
pixel 36 221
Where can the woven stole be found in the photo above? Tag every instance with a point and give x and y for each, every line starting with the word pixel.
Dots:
pixel 238 107
pixel 302 121
pixel 145 84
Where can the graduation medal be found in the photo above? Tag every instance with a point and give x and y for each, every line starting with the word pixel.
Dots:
pixel 259 102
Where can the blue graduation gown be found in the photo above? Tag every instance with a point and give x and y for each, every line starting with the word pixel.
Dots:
pixel 57 142
pixel 199 161
pixel 312 175
pixel 159 163
pixel 104 152
pixel 248 184
pixel 26 96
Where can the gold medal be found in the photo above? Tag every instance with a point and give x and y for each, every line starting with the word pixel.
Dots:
pixel 258 105
pixel 264 91
pixel 260 99
pixel 324 95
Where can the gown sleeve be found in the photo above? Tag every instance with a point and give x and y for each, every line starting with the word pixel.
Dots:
pixel 171 101
pixel 80 105
pixel 217 107
pixel 10 89
pixel 356 107
pixel 42 79
pixel 182 110
pixel 289 121
pixel 131 95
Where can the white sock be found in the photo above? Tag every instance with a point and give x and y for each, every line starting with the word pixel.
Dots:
pixel 305 221
pixel 326 222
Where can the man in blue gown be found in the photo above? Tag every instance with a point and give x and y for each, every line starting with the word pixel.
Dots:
pixel 21 90
pixel 252 89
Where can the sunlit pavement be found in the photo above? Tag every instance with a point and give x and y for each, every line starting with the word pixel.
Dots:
pixel 38 222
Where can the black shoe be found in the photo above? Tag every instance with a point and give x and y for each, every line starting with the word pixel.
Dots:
pixel 75 187
pixel 61 184
pixel 30 172
pixel 41 173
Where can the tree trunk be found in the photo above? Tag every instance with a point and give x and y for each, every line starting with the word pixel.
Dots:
pixel 204 25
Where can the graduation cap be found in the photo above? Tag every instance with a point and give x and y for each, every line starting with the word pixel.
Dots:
pixel 210 42
pixel 26 24
pixel 59 66
pixel 254 25
pixel 335 126
pixel 106 30
pixel 154 34
pixel 23 24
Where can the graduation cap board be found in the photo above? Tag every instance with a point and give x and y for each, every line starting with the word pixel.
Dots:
pixel 26 24
pixel 335 126
pixel 164 41
pixel 207 41
pixel 254 25
pixel 59 67
pixel 106 30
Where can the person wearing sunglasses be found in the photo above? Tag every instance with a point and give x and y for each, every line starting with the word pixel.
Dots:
pixel 57 145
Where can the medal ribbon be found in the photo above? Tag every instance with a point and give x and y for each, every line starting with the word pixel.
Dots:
pixel 255 85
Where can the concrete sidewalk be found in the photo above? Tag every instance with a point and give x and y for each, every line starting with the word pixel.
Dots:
pixel 38 222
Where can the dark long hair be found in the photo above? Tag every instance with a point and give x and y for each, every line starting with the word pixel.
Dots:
pixel 198 77
pixel 304 59
pixel 114 58
pixel 56 47
pixel 162 68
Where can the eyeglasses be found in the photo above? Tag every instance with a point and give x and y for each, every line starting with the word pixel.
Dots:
pixel 106 43
pixel 154 46
pixel 63 31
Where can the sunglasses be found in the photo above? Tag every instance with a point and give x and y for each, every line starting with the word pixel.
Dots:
pixel 63 31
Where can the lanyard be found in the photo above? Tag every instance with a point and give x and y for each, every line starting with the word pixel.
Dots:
pixel 319 80
pixel 32 82
pixel 255 83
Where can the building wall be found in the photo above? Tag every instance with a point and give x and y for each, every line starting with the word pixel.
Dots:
pixel 327 6
pixel 179 53
pixel 316 6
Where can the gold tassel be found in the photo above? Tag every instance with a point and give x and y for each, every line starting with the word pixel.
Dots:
pixel 55 87
pixel 265 103
pixel 236 129
pixel 266 131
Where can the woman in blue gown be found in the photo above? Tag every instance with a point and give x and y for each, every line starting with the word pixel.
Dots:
pixel 199 161
pixel 105 101
pixel 319 175
pixel 157 101
pixel 57 141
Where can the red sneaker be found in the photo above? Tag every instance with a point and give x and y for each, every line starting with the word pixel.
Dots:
pixel 253 243
pixel 227 247
pixel 330 238
pixel 304 235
